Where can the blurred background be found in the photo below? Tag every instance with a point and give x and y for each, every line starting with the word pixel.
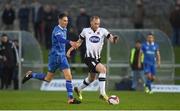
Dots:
pixel 30 23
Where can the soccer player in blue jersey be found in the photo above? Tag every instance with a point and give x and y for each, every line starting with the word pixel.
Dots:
pixel 57 58
pixel 151 55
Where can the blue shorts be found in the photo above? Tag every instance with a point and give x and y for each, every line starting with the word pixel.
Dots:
pixel 57 61
pixel 148 68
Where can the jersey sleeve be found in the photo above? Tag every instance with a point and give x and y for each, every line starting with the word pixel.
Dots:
pixel 57 33
pixel 60 39
pixel 143 48
pixel 157 47
pixel 106 33
pixel 82 34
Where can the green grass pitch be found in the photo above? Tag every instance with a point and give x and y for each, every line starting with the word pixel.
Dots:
pixel 39 100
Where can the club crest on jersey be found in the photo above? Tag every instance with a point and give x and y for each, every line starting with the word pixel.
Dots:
pixel 94 39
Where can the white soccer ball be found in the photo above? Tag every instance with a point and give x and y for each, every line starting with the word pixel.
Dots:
pixel 113 99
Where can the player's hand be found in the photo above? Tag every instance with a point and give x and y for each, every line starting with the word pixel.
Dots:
pixel 115 39
pixel 139 65
pixel 74 44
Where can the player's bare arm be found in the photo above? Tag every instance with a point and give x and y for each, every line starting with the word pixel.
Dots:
pixel 73 44
pixel 158 58
pixel 78 44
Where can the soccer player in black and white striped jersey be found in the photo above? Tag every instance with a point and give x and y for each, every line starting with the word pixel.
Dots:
pixel 94 38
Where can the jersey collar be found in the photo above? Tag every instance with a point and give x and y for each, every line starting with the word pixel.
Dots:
pixel 149 43
pixel 65 29
pixel 94 31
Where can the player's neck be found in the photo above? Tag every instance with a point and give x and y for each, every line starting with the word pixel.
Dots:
pixel 94 30
pixel 61 27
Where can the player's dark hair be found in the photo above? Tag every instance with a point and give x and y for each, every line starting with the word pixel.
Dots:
pixel 3 35
pixel 94 17
pixel 150 33
pixel 60 16
pixel 138 41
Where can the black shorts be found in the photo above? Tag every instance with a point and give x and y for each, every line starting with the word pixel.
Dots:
pixel 91 63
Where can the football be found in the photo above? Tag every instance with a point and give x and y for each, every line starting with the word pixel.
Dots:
pixel 113 99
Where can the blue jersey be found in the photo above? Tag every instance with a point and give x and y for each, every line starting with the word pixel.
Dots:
pixel 57 47
pixel 57 57
pixel 150 51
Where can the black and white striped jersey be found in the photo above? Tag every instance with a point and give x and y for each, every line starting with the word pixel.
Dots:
pixel 94 41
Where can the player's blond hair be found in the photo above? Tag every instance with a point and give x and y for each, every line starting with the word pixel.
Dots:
pixel 94 18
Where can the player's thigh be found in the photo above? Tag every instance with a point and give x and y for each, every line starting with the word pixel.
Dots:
pixel 52 63
pixel 63 63
pixel 153 72
pixel 147 69
pixel 153 69
pixel 64 66
pixel 91 63
pixel 100 68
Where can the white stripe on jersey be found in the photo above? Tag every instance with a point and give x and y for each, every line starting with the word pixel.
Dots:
pixel 94 41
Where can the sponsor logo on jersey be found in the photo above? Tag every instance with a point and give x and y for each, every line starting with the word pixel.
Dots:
pixel 151 52
pixel 94 39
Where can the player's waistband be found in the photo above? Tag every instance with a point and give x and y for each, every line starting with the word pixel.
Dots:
pixel 149 63
pixel 99 59
pixel 58 52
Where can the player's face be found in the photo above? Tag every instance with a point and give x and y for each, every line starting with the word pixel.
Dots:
pixel 150 38
pixel 138 45
pixel 63 22
pixel 95 24
pixel 4 39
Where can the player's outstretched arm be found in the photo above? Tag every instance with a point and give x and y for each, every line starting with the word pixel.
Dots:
pixel 65 41
pixel 113 38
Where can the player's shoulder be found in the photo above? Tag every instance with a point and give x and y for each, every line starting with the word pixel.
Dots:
pixel 144 43
pixel 86 29
pixel 57 31
pixel 56 28
pixel 11 42
pixel 156 45
pixel 102 29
